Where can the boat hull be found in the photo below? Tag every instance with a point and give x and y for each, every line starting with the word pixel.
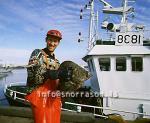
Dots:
pixel 16 97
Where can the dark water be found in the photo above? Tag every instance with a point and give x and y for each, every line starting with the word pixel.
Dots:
pixel 16 76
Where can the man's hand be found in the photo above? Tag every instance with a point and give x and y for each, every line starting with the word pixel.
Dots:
pixel 51 74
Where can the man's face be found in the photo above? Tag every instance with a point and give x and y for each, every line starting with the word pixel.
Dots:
pixel 52 43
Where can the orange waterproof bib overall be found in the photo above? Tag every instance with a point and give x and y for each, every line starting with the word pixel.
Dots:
pixel 46 105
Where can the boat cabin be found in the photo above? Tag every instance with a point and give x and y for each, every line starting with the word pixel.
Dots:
pixel 120 73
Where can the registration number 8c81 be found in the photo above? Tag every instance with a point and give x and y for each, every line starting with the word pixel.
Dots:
pixel 129 39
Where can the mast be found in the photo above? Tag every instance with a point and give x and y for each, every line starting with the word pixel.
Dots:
pixel 91 24
pixel 124 16
pixel 96 28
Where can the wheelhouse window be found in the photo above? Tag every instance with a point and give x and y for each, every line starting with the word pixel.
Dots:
pixel 104 64
pixel 90 65
pixel 137 64
pixel 121 64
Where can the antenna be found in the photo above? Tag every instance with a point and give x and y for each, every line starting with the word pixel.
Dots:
pixel 107 5
pixel 124 11
pixel 124 15
pixel 93 23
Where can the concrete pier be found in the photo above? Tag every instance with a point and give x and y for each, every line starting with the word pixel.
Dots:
pixel 24 115
pixel 12 114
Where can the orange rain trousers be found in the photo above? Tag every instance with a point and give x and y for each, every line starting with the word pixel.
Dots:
pixel 46 106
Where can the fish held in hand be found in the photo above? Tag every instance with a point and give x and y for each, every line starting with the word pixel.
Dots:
pixel 72 76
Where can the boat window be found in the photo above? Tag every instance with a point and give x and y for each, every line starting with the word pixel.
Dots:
pixel 92 67
pixel 89 67
pixel 137 64
pixel 104 64
pixel 121 64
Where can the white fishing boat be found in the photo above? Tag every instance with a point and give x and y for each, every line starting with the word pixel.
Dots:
pixel 4 70
pixel 119 65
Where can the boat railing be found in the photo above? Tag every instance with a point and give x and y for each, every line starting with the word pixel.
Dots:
pixel 14 93
pixel 109 38
pixel 12 84
pixel 79 108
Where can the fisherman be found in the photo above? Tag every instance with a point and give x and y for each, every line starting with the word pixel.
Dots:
pixel 42 81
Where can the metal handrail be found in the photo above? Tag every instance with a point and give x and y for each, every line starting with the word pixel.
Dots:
pixel 15 97
pixel 16 91
pixel 96 107
pixel 64 109
pixel 80 105
pixel 9 85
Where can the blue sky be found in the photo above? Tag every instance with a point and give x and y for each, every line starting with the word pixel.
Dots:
pixel 24 23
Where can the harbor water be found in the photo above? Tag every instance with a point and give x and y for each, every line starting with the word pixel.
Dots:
pixel 16 76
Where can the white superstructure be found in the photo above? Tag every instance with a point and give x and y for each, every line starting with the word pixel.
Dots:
pixel 120 68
